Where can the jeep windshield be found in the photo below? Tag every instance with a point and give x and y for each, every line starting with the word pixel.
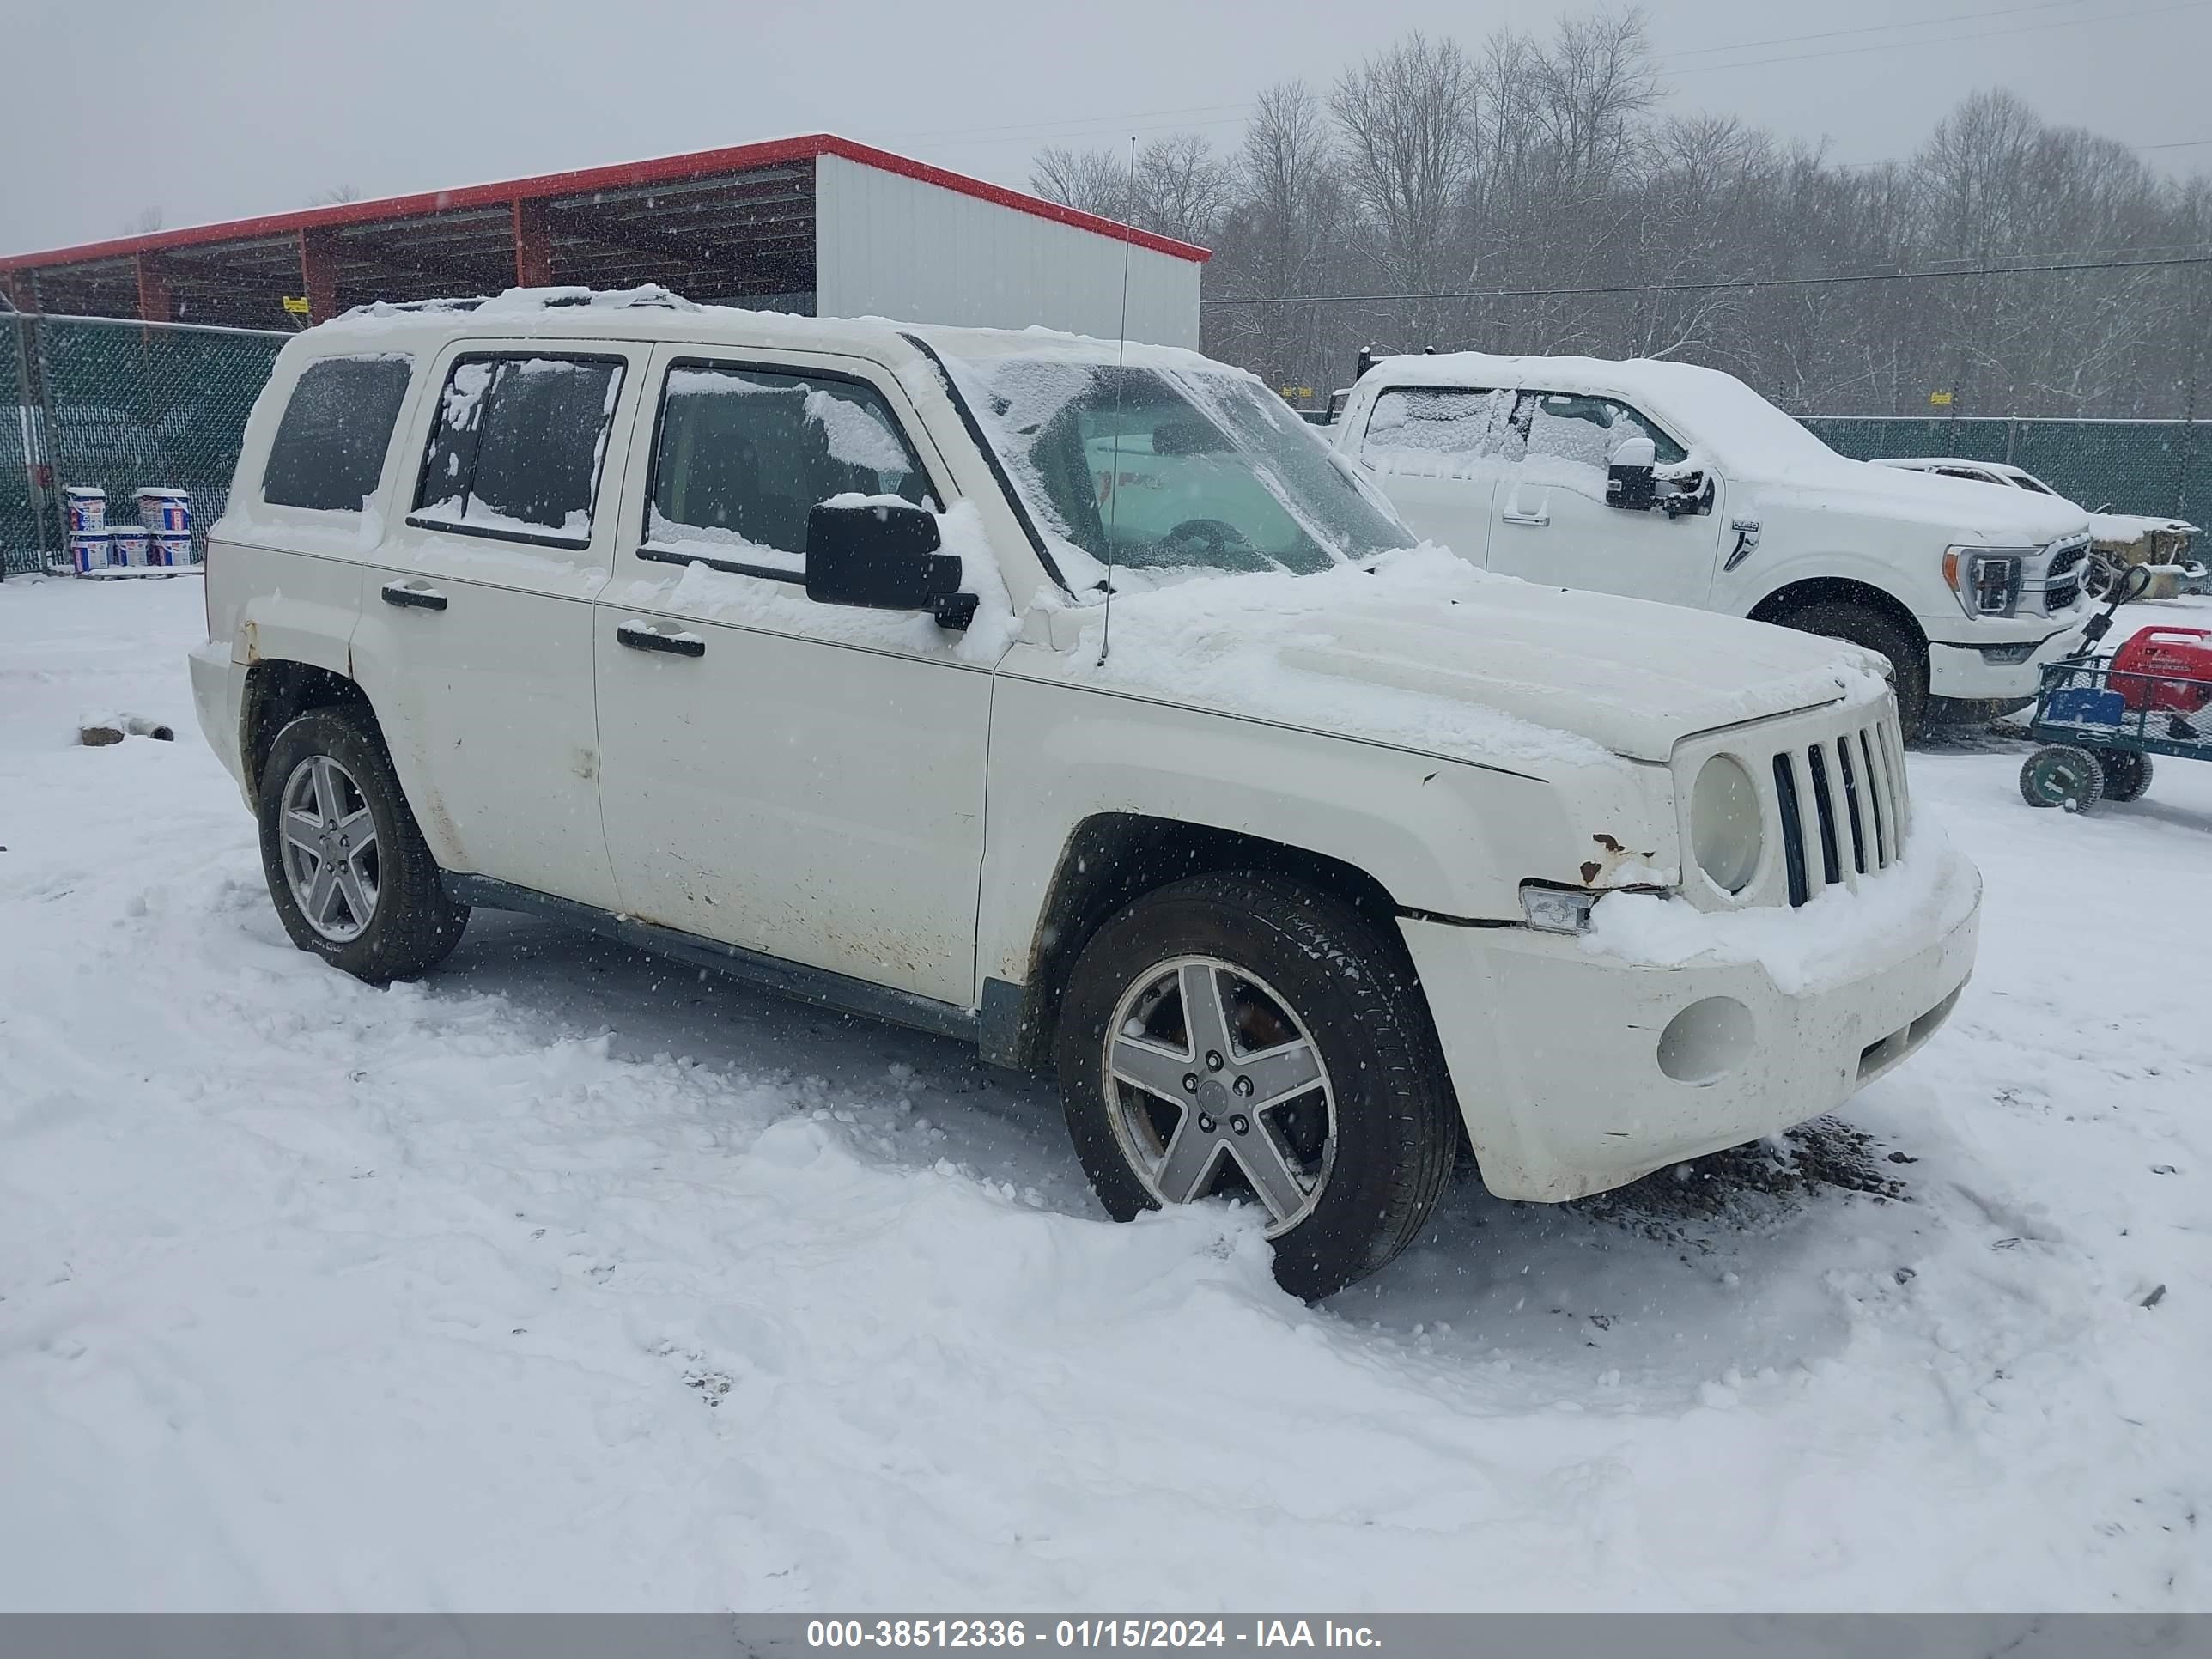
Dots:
pixel 1171 466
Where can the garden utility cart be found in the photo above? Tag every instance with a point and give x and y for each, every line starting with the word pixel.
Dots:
pixel 2100 720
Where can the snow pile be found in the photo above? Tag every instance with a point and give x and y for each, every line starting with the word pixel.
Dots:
pixel 569 1279
pixel 1841 934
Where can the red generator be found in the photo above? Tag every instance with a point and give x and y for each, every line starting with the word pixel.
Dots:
pixel 2175 664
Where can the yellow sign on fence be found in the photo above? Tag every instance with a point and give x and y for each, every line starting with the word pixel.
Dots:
pixel 296 304
pixel 1941 399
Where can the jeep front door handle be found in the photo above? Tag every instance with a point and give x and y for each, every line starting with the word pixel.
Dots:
pixel 414 596
pixel 643 636
pixel 1524 518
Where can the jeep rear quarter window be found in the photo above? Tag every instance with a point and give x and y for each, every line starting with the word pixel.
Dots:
pixel 518 445
pixel 328 453
pixel 744 454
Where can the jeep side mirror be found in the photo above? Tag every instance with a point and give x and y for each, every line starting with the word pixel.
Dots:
pixel 883 556
pixel 1630 480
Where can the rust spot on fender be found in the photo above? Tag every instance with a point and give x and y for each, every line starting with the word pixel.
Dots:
pixel 1616 853
pixel 250 631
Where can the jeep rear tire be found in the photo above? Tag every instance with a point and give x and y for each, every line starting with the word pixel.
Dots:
pixel 1238 1036
pixel 352 879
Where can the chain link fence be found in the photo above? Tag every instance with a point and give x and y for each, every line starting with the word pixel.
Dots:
pixel 123 406
pixel 2152 467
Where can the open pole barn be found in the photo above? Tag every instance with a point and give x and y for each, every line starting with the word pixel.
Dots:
pixel 817 225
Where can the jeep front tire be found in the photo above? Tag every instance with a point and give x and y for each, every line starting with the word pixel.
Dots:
pixel 1241 1037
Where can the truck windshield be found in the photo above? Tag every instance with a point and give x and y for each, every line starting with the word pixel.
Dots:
pixel 1156 467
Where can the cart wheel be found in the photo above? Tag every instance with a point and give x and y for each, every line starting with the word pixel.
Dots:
pixel 2126 774
pixel 2062 776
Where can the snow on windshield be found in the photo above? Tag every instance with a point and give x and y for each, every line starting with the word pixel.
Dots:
pixel 1156 465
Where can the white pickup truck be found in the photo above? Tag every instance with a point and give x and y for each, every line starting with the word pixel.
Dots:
pixel 783 645
pixel 1666 481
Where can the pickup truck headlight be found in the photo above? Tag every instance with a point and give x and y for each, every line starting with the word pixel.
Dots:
pixel 1987 580
pixel 1727 823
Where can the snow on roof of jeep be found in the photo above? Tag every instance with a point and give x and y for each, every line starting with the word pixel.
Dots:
pixel 565 310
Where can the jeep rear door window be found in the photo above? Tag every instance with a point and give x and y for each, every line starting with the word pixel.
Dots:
pixel 744 454
pixel 1438 431
pixel 328 452
pixel 517 446
pixel 1569 426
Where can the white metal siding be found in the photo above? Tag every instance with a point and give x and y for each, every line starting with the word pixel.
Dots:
pixel 889 246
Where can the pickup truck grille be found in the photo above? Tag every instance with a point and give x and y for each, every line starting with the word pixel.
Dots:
pixel 2062 577
pixel 1843 807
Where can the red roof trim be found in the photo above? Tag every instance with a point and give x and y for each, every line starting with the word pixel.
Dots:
pixel 739 158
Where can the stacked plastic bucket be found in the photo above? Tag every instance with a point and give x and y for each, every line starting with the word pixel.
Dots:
pixel 167 515
pixel 90 543
pixel 160 540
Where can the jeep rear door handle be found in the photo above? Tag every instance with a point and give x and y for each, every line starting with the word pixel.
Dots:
pixel 643 636
pixel 414 596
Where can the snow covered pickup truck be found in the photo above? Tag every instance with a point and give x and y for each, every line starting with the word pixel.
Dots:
pixel 783 645
pixel 1665 481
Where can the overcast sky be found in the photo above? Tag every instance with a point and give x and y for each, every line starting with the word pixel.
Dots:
pixel 222 109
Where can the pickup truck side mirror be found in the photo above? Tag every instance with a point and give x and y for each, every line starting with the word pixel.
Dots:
pixel 1630 480
pixel 883 556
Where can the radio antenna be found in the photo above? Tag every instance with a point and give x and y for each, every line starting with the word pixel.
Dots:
pixel 1114 489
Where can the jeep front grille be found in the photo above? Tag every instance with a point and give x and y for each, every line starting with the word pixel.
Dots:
pixel 1842 806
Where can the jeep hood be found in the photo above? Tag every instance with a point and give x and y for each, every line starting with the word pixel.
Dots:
pixel 1422 650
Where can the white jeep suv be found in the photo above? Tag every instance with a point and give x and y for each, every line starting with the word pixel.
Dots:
pixel 785 647
pixel 1666 481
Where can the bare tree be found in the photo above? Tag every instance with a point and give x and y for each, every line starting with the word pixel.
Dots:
pixel 1094 180
pixel 1408 118
pixel 144 222
pixel 1593 88
pixel 1180 188
pixel 1546 172
pixel 334 195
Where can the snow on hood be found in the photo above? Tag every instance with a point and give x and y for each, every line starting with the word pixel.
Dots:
pixel 1421 649
pixel 1718 418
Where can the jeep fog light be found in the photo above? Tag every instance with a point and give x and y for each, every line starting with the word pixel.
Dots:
pixel 1706 1041
pixel 1557 910
pixel 1727 823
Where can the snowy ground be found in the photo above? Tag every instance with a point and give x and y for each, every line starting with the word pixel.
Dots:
pixel 567 1280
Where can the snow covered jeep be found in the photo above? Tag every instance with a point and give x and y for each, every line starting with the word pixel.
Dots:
pixel 1665 481
pixel 784 647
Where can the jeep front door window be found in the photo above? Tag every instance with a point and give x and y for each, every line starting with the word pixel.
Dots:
pixel 743 455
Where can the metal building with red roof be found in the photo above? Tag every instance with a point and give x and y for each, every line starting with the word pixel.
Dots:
pixel 819 225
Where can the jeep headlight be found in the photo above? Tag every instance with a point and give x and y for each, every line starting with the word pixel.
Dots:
pixel 1727 823
pixel 1987 580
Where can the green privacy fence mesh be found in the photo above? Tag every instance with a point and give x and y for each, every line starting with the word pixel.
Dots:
pixel 2130 466
pixel 122 406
